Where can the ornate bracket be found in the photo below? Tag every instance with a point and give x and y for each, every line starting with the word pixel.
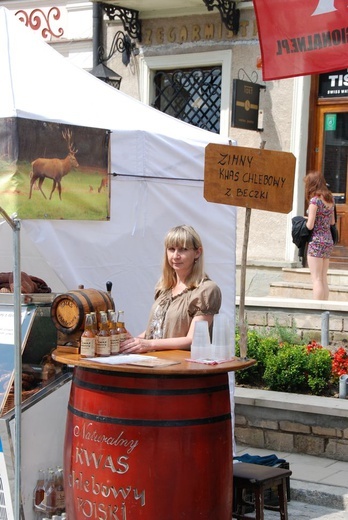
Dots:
pixel 37 20
pixel 253 78
pixel 229 13
pixel 121 43
pixel 128 17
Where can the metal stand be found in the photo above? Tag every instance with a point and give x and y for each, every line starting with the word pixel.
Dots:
pixel 15 225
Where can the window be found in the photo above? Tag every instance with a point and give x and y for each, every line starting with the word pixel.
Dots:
pixel 193 87
pixel 335 154
pixel 192 95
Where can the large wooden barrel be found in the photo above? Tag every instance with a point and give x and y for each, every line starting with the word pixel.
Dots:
pixel 68 310
pixel 141 446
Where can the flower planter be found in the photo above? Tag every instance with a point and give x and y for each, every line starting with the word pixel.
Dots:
pixel 293 423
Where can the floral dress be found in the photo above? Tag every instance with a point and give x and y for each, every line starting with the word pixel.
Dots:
pixel 321 243
pixel 171 316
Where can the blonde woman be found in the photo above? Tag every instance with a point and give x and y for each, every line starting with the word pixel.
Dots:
pixel 320 217
pixel 183 295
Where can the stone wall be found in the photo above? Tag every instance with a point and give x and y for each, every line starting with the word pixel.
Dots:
pixel 305 316
pixel 292 423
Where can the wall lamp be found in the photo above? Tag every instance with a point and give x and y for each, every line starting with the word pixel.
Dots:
pixel 107 75
pixel 230 15
pixel 121 43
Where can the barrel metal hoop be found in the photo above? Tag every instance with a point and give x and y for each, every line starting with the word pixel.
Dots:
pixel 108 301
pixel 163 423
pixel 148 391
pixel 87 298
pixel 143 375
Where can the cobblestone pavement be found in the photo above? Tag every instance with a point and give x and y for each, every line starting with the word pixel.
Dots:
pixel 302 511
pixel 319 487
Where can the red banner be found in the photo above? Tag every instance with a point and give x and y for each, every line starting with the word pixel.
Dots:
pixel 300 37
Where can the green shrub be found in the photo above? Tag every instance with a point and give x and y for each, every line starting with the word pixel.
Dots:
pixel 259 348
pixel 319 366
pixel 286 334
pixel 286 371
pixel 268 347
pixel 253 373
pixel 287 366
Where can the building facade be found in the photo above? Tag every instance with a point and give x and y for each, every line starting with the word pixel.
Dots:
pixel 190 62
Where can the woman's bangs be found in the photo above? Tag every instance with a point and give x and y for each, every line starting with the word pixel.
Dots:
pixel 179 238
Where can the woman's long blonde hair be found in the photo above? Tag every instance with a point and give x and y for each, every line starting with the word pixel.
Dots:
pixel 315 185
pixel 186 237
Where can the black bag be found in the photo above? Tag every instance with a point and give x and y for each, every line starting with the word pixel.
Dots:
pixel 334 233
pixel 333 229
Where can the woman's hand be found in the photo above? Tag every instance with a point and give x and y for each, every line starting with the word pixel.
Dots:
pixel 135 345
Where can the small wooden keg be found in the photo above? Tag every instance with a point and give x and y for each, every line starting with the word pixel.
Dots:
pixel 68 310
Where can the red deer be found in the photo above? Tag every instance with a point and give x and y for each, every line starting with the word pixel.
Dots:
pixel 104 184
pixel 54 169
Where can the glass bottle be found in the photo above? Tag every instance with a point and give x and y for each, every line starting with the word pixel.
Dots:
pixel 39 494
pixel 48 369
pixel 95 322
pixel 60 496
pixel 49 503
pixel 114 336
pixel 88 339
pixel 110 314
pixel 120 327
pixel 103 337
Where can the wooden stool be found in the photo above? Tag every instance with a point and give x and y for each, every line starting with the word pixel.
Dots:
pixel 256 479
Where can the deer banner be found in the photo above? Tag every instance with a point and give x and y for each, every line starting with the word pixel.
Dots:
pixel 300 37
pixel 54 171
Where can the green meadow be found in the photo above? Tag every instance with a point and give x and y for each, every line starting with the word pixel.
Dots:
pixel 80 197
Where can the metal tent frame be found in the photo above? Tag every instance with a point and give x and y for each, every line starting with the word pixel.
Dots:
pixel 15 225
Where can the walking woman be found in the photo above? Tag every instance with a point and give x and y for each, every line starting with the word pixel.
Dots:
pixel 320 217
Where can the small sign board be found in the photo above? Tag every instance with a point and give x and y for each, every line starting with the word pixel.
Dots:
pixel 330 122
pixel 249 177
pixel 245 104
pixel 333 84
pixel 8 347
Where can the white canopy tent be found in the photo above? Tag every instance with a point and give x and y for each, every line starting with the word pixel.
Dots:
pixel 160 165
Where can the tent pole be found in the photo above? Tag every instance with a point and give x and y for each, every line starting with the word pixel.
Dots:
pixel 18 367
pixel 15 224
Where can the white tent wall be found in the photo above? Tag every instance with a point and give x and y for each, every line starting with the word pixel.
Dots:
pixel 38 83
pixel 128 250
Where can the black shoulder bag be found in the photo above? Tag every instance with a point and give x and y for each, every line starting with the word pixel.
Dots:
pixel 334 230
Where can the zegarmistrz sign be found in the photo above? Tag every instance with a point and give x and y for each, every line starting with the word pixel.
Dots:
pixel 249 177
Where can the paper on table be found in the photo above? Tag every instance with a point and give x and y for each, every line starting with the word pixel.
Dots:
pixel 134 359
pixel 120 359
pixel 209 361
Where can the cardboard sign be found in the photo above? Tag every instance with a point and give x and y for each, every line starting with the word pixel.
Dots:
pixel 249 177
